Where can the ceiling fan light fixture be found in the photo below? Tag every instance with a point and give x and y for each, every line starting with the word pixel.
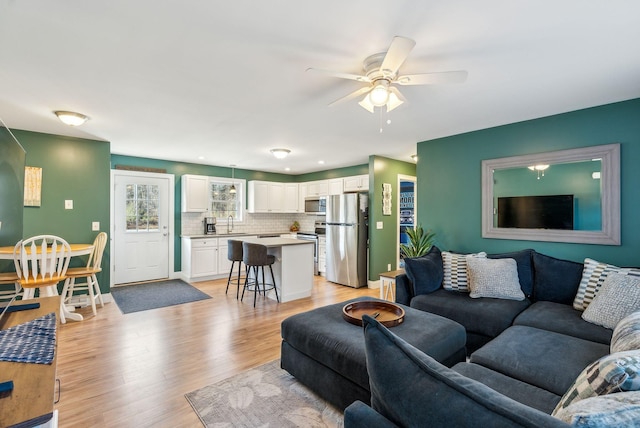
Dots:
pixel 379 95
pixel 393 102
pixel 71 118
pixel 366 104
pixel 280 153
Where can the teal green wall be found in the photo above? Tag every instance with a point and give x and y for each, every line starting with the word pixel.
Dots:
pixel 12 161
pixel 333 173
pixel 383 243
pixel 449 178
pixel 76 169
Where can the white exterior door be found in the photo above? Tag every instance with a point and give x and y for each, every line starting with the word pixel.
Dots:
pixel 141 223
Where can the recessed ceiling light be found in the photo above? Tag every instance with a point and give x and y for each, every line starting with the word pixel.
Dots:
pixel 287 169
pixel 280 153
pixel 201 157
pixel 71 118
pixel 321 162
pixel 414 158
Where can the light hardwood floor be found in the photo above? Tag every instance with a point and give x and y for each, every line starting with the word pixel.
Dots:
pixel 133 370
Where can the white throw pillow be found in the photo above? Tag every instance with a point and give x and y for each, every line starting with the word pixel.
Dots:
pixel 593 275
pixel 618 297
pixel 455 270
pixel 495 278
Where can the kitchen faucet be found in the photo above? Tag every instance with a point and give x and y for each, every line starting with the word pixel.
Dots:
pixel 230 224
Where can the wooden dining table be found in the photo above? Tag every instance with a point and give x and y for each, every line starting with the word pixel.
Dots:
pixel 6 253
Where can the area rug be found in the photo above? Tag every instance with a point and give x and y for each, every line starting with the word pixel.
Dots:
pixel 153 295
pixel 265 396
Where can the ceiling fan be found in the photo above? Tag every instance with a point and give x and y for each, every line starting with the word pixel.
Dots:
pixel 381 74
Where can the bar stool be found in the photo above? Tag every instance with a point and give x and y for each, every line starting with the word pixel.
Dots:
pixel 234 254
pixel 255 256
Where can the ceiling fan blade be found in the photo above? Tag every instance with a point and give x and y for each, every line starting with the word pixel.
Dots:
pixel 396 55
pixel 352 95
pixel 433 78
pixel 340 75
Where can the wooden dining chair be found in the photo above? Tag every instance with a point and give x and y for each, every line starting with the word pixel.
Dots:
pixel 41 262
pixel 88 272
pixel 9 278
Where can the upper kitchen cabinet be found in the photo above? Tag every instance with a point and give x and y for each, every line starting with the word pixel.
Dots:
pixel 357 183
pixel 195 193
pixel 266 197
pixel 318 188
pixel 292 198
pixel 336 186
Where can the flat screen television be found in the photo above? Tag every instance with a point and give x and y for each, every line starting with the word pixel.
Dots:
pixel 536 212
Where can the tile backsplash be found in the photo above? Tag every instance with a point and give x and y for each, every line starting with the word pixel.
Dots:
pixel 193 223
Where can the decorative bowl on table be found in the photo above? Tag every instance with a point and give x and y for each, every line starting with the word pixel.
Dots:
pixel 387 313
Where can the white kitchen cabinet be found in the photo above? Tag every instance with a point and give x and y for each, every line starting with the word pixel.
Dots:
pixel 291 199
pixel 356 183
pixel 322 255
pixel 302 193
pixel 199 257
pixel 195 193
pixel 265 197
pixel 318 188
pixel 336 186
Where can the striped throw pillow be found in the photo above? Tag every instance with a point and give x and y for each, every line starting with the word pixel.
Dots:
pixel 455 270
pixel 593 275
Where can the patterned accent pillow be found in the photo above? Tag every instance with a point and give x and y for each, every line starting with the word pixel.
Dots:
pixel 626 335
pixel 618 297
pixel 496 278
pixel 614 410
pixel 455 270
pixel 593 275
pixel 612 373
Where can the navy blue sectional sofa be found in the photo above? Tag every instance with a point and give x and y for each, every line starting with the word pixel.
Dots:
pixel 530 351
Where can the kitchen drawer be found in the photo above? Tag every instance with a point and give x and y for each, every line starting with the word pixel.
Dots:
pixel 204 242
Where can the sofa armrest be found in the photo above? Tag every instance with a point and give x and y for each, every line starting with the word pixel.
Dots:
pixel 359 415
pixel 404 289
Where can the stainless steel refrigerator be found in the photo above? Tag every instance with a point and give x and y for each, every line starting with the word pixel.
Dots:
pixel 347 239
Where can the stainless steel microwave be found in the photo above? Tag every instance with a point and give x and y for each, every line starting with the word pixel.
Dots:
pixel 315 205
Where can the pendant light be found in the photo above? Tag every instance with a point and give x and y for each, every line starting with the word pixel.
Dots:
pixel 233 190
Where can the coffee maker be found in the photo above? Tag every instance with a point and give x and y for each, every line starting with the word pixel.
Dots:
pixel 209 225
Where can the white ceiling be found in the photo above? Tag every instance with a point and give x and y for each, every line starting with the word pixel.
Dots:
pixel 226 80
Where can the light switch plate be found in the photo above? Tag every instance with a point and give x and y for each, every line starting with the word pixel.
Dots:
pixel 68 204
pixel 95 226
pixel 379 225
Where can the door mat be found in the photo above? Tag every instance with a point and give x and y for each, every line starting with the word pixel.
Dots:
pixel 154 295
pixel 266 396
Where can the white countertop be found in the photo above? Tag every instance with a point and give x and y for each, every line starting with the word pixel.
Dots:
pixel 232 235
pixel 276 242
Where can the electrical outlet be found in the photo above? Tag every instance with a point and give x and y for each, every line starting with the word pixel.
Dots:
pixel 95 226
pixel 389 267
pixel 379 225
pixel 68 204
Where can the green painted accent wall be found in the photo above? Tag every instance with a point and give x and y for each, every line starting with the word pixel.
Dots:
pixel 76 169
pixel 383 243
pixel 449 178
pixel 333 173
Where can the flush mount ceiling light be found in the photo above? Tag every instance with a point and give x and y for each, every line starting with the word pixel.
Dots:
pixel 71 118
pixel 280 153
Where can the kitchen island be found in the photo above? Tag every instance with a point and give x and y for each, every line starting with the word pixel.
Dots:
pixel 293 268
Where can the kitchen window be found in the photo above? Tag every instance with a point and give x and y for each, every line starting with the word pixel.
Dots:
pixel 224 203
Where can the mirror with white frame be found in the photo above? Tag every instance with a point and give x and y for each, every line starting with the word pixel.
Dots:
pixel 562 196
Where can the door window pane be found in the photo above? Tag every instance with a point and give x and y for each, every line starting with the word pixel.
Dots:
pixel 142 202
